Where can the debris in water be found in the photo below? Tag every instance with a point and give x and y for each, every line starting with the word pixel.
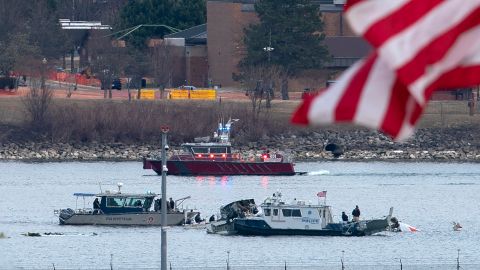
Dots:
pixel 32 234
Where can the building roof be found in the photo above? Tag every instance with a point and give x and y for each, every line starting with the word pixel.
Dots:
pixel 196 35
pixel 325 5
pixel 199 31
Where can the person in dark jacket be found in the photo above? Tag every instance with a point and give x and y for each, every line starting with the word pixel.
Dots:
pixel 212 218
pixel 96 206
pixel 344 217
pixel 171 204
pixel 356 214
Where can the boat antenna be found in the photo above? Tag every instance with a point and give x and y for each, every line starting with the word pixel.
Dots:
pixel 119 185
pixel 100 186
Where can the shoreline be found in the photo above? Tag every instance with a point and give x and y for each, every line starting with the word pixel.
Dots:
pixel 450 145
pixel 52 152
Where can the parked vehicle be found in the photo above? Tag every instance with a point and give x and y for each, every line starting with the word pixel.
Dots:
pixel 117 84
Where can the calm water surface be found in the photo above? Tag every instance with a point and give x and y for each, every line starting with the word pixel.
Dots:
pixel 427 195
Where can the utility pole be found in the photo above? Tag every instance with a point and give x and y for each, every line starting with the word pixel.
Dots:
pixel 268 93
pixel 165 130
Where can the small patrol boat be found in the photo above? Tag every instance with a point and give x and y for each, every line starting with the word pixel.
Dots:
pixel 216 157
pixel 296 218
pixel 117 208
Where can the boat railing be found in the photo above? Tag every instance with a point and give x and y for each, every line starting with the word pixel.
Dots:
pixel 84 211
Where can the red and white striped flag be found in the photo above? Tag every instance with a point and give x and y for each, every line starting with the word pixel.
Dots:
pixel 322 194
pixel 420 46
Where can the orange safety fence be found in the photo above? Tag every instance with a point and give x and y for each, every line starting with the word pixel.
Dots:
pixel 74 78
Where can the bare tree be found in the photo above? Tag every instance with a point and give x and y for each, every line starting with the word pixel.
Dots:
pixel 107 62
pixel 37 102
pixel 136 67
pixel 259 83
pixel 162 66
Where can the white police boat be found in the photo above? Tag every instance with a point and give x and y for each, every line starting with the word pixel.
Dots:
pixel 117 208
pixel 295 218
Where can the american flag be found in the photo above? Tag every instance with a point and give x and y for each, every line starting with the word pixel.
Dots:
pixel 322 194
pixel 419 46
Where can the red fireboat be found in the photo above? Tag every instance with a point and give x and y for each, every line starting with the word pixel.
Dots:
pixel 217 158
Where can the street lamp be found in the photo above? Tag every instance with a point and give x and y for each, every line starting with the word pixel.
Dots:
pixel 44 65
pixel 268 49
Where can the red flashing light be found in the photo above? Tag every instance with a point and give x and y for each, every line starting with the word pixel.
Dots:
pixel 211 155
pixel 223 155
pixel 265 157
pixel 199 155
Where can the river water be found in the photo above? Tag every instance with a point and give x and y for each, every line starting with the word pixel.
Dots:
pixel 429 196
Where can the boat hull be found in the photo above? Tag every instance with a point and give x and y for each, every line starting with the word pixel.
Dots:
pixel 219 168
pixel 261 228
pixel 137 219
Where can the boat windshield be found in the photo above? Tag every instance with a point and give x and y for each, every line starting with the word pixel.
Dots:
pixel 220 150
pixel 200 150
pixel 291 213
pixel 115 201
pixel 135 202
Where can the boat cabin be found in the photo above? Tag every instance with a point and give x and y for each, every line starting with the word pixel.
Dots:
pixel 200 150
pixel 297 214
pixel 117 203
pixel 114 203
pixel 206 151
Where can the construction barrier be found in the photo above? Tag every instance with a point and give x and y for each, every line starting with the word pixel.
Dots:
pixel 147 94
pixel 209 94
pixel 203 94
pixel 179 94
pixel 74 78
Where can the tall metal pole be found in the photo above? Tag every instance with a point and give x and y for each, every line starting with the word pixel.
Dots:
pixel 164 198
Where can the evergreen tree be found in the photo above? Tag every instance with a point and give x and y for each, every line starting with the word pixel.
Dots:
pixel 180 14
pixel 294 29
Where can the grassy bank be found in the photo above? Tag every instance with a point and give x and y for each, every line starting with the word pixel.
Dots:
pixel 140 121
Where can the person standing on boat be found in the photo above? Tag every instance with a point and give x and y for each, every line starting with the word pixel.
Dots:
pixel 356 214
pixel 96 206
pixel 212 218
pixel 344 217
pixel 172 204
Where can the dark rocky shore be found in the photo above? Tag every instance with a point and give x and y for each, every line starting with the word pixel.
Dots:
pixel 452 144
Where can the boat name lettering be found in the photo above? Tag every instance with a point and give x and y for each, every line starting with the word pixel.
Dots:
pixel 118 218
pixel 310 220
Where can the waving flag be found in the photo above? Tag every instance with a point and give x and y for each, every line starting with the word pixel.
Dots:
pixel 420 46
pixel 322 194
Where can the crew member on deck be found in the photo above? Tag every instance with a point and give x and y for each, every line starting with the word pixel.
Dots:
pixel 344 217
pixel 96 206
pixel 172 204
pixel 356 214
pixel 212 218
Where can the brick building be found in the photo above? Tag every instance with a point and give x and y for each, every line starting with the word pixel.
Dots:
pixel 187 56
pixel 227 20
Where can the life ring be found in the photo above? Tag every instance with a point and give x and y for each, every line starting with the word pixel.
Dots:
pixel 150 220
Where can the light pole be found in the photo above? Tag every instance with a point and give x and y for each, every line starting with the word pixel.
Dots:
pixel 44 67
pixel 268 50
pixel 165 130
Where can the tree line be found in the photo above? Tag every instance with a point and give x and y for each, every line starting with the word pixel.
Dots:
pixel 287 40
